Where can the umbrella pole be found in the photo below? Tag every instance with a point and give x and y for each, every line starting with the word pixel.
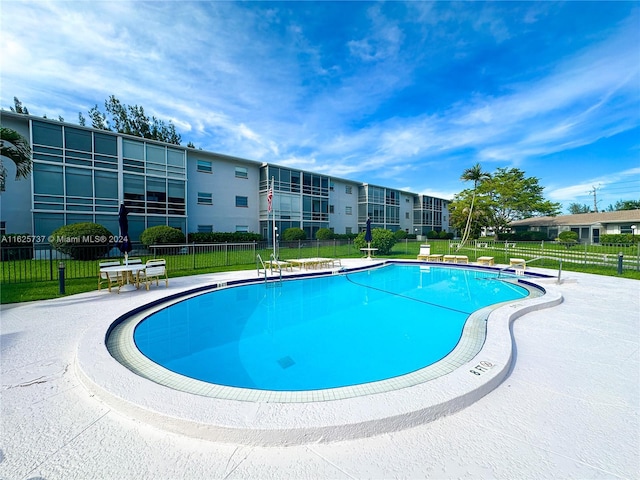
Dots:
pixel 368 250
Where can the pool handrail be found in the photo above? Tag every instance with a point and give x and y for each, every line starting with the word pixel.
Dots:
pixel 558 280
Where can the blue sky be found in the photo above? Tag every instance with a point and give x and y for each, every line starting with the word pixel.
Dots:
pixel 404 95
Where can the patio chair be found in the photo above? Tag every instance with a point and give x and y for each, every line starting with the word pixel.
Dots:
pixel 154 269
pixel 425 252
pixel 133 261
pixel 111 278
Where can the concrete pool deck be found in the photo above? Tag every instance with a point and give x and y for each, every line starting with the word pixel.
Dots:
pixel 568 408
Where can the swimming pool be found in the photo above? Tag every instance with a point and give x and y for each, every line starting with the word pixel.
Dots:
pixel 322 333
pixel 110 366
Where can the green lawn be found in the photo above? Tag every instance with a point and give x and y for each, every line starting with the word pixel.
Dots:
pixel 28 280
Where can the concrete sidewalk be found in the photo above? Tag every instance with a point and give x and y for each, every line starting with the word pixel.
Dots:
pixel 568 409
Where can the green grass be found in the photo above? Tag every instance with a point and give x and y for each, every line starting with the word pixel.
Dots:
pixel 183 265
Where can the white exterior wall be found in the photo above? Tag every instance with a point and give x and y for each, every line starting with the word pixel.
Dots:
pixel 16 201
pixel 406 207
pixel 224 186
pixel 339 220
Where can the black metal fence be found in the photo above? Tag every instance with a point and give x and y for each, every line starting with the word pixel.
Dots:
pixel 40 262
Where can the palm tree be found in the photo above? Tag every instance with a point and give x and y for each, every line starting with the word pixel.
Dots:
pixel 476 175
pixel 16 148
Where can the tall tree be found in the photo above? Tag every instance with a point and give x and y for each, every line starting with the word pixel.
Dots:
pixel 624 205
pixel 575 208
pixel 18 107
pixel 513 196
pixel 132 120
pixel 98 119
pixel 475 175
pixel 16 148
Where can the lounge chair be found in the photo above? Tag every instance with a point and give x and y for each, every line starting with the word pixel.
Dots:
pixel 518 263
pixel 154 269
pixel 425 252
pixel 111 278
pixel 485 260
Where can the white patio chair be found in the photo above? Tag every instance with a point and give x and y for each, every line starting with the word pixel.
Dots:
pixel 154 269
pixel 111 278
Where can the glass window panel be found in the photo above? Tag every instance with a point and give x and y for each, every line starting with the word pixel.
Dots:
pixel 176 190
pixel 78 218
pixel 105 144
pixel 110 222
pixel 205 198
pixel 136 226
pixel 46 223
pixel 134 184
pixel 47 179
pixel 83 155
pixel 47 158
pixel 179 223
pixel 106 184
pixel 47 134
pixel 176 157
pixel 204 166
pixel 242 201
pixel 205 228
pixel 53 151
pixel 75 161
pixel 156 154
pixel 105 159
pixel 76 139
pixel 82 208
pixel 133 149
pixel 242 172
pixel 154 221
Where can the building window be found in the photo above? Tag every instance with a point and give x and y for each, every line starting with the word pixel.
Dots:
pixel 242 172
pixel 347 230
pixel 242 201
pixel 3 228
pixel 406 215
pixel 205 166
pixel 242 228
pixel 347 190
pixel 205 198
pixel 347 210
pixel 205 228
pixel 331 209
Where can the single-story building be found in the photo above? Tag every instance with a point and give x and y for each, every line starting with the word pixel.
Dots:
pixel 588 226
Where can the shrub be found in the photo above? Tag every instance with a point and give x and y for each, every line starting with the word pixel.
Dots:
pixel 293 234
pixel 161 234
pixel 619 238
pixel 324 234
pixel 400 234
pixel 82 241
pixel 224 237
pixel 568 237
pixel 445 235
pixel 433 234
pixel 383 240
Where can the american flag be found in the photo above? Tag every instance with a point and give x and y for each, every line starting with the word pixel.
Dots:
pixel 270 197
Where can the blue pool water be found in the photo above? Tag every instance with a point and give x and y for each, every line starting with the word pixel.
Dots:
pixel 321 333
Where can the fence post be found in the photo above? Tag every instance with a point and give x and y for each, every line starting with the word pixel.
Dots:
pixel 620 258
pixel 61 278
pixel 50 263
pixel 193 246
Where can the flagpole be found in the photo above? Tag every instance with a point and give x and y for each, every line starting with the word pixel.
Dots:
pixel 275 257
